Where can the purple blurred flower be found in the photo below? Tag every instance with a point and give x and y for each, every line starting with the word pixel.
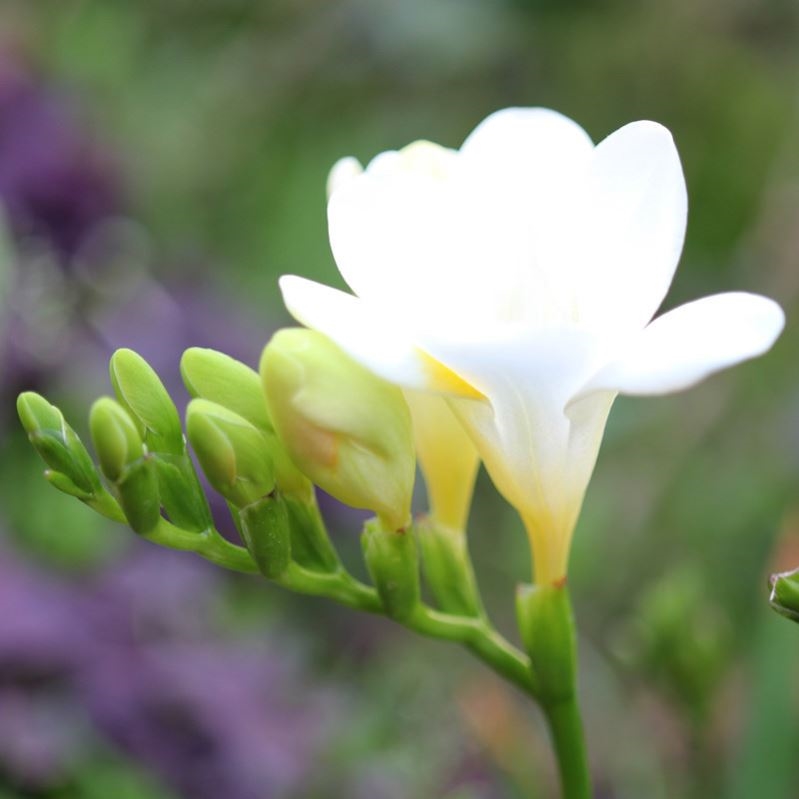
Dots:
pixel 56 182
pixel 135 648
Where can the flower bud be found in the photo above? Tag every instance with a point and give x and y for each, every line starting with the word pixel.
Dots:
pixel 214 376
pixel 784 597
pixel 393 562
pixel 208 374
pixel 141 392
pixel 71 467
pixel 232 452
pixel 345 428
pixel 115 437
pixel 124 462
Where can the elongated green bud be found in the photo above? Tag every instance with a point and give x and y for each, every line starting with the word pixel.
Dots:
pixel 265 529
pixel 546 624
pixel 784 597
pixel 217 377
pixel 393 562
pixel 232 452
pixel 211 375
pixel 115 436
pixel 345 428
pixel 448 568
pixel 71 467
pixel 125 463
pixel 141 392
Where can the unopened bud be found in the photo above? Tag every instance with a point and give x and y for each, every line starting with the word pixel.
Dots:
pixel 141 392
pixel 219 378
pixel 345 428
pixel 115 436
pixel 232 452
pixel 59 446
pixel 124 462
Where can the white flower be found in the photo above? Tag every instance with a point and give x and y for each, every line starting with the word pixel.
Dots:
pixel 518 276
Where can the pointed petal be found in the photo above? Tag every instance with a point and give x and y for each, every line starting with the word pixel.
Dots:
pixel 691 342
pixel 629 233
pixel 375 339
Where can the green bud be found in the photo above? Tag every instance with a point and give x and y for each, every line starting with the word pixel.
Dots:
pixel 211 375
pixel 448 569
pixel 115 436
pixel 345 428
pixel 264 526
pixel 214 376
pixel 310 544
pixel 232 452
pixel 58 445
pixel 784 597
pixel 141 392
pixel 546 624
pixel 124 462
pixel 393 562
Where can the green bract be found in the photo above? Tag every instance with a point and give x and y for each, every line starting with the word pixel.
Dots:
pixel 345 428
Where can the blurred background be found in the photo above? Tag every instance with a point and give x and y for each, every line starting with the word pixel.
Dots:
pixel 161 163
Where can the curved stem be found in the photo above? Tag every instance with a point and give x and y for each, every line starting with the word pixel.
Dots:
pixel 481 639
pixel 566 728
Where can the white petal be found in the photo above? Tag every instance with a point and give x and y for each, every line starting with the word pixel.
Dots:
pixel 691 342
pixel 406 235
pixel 528 143
pixel 374 338
pixel 342 172
pixel 629 233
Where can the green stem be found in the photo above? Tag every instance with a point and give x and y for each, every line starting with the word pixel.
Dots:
pixel 566 729
pixel 481 639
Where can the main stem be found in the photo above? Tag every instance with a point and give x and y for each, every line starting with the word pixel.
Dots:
pixel 546 623
pixel 566 728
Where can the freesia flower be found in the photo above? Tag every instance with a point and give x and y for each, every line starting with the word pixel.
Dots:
pixel 518 277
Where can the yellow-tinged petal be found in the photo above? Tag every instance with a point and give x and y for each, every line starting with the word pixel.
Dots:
pixel 447 456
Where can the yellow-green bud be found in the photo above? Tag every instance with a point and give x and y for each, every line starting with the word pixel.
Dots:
pixel 115 436
pixel 393 562
pixel 125 463
pixel 214 376
pixel 344 427
pixel 211 375
pixel 232 452
pixel 141 392
pixel 58 445
pixel 784 596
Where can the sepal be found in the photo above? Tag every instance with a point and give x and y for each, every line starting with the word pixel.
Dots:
pixel 784 596
pixel 393 562
pixel 546 624
pixel 448 568
pixel 264 526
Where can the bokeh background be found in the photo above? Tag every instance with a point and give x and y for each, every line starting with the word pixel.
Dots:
pixel 161 163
